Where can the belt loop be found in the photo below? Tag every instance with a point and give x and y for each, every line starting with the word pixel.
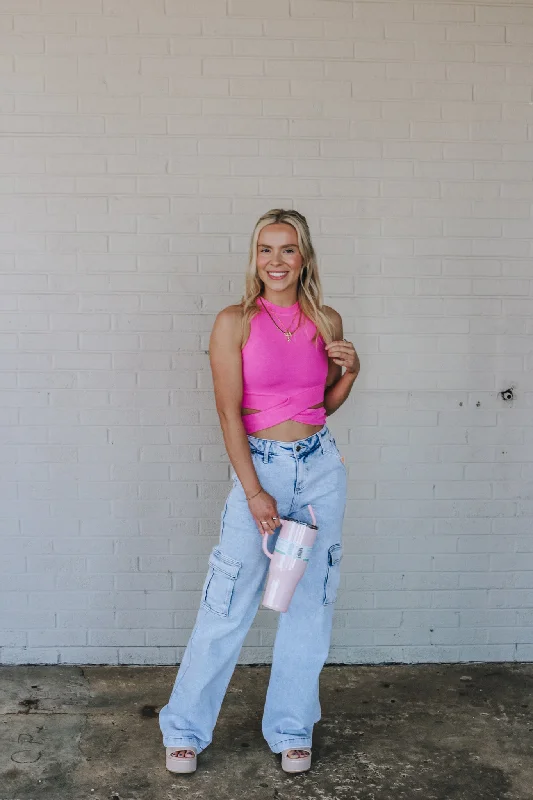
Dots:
pixel 266 451
pixel 321 439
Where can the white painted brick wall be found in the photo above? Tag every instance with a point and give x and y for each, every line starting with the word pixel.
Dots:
pixel 140 142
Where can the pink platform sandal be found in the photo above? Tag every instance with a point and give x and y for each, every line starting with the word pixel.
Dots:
pixel 295 763
pixel 181 763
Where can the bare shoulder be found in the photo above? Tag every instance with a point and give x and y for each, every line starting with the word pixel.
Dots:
pixel 227 323
pixel 335 318
pixel 233 312
pixel 333 315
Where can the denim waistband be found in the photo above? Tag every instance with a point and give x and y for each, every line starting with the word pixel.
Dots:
pixel 301 448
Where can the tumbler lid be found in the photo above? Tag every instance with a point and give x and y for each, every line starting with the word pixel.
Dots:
pixel 299 522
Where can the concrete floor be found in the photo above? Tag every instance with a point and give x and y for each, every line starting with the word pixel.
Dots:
pixel 434 732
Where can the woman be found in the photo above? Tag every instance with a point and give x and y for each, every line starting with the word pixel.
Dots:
pixel 277 361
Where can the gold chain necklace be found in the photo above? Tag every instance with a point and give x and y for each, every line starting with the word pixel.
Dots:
pixel 288 333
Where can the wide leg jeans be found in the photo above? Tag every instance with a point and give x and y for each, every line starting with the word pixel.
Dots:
pixel 295 474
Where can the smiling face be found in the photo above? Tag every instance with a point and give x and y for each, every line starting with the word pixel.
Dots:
pixel 279 262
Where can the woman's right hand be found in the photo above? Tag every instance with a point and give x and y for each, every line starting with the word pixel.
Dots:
pixel 263 507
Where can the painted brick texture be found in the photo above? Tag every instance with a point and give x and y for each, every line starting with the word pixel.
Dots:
pixel 140 142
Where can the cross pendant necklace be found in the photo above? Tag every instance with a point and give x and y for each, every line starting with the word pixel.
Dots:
pixel 288 334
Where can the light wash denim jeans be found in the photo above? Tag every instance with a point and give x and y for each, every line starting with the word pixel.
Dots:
pixel 295 474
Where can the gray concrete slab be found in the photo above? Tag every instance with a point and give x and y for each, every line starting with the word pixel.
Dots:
pixel 398 732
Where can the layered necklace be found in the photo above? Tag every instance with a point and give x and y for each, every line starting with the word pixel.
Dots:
pixel 287 333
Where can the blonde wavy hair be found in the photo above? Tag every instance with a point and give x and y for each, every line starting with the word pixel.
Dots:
pixel 309 286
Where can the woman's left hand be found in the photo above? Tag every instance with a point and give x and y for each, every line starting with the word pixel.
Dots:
pixel 343 353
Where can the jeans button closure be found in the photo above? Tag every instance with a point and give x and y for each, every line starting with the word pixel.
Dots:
pixel 297 448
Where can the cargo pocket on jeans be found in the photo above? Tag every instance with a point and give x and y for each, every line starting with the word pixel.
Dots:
pixel 220 582
pixel 333 575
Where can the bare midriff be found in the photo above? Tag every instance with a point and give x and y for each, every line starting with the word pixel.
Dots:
pixel 287 431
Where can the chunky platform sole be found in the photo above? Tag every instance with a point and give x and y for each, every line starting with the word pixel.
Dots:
pixel 295 764
pixel 182 765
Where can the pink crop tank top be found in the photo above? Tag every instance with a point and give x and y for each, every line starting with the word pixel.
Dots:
pixel 280 378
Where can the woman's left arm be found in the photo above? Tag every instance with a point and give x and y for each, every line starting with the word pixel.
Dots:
pixel 341 353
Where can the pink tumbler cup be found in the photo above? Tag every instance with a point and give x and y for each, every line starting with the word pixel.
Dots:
pixel 288 562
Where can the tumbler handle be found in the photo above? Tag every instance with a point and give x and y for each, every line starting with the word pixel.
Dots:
pixel 264 544
pixel 265 535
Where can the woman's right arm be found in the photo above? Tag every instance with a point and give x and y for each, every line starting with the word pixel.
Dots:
pixel 226 366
